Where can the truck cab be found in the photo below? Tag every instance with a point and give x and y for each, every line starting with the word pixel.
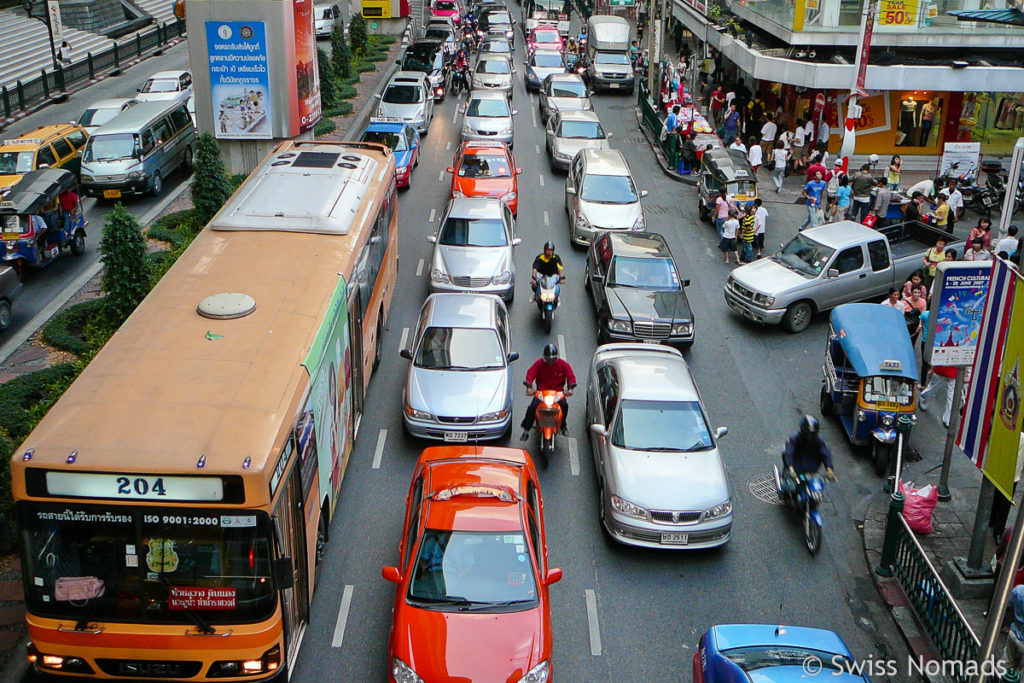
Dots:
pixel 607 55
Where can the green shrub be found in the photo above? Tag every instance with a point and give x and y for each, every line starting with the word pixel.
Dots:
pixel 357 34
pixel 66 330
pixel 21 394
pixel 126 272
pixel 323 127
pixel 210 186
pixel 328 92
pixel 376 56
pixel 175 228
pixel 351 80
pixel 160 262
pixel 346 92
pixel 341 56
pixel 363 67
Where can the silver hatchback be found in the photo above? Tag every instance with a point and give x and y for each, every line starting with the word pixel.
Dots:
pixel 407 98
pixel 459 383
pixel 493 72
pixel 660 476
pixel 569 132
pixel 563 92
pixel 488 116
pixel 473 248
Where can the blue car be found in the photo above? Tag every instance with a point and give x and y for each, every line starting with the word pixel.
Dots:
pixel 404 141
pixel 754 653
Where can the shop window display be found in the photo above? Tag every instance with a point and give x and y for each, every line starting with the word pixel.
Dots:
pixel 919 121
pixel 995 119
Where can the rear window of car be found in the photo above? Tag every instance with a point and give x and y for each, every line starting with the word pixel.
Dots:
pixel 403 94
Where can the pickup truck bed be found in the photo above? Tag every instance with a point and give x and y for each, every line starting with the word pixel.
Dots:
pixel 912 238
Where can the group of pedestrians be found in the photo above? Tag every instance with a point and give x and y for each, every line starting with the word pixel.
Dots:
pixel 740 229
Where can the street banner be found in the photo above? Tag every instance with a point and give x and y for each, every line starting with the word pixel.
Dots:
pixel 958 301
pixel 964 155
pixel 1001 463
pixel 305 108
pixel 973 438
pixel 239 79
pixel 56 24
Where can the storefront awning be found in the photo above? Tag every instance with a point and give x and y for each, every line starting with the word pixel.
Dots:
pixel 1011 16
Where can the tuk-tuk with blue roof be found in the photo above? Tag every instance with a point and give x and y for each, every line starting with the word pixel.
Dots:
pixel 404 141
pixel 870 376
pixel 40 217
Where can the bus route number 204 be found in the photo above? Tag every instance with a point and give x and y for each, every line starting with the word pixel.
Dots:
pixel 140 486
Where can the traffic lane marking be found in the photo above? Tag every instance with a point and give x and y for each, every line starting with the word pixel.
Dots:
pixel 405 338
pixel 419 268
pixel 593 626
pixel 378 453
pixel 339 626
pixel 574 457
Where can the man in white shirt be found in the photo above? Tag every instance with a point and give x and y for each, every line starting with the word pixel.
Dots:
pixel 809 133
pixel 1009 243
pixel 823 131
pixel 925 187
pixel 955 200
pixel 799 153
pixel 768 131
pixel 738 144
pixel 760 222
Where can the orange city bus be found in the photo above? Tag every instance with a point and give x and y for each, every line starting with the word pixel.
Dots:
pixel 174 503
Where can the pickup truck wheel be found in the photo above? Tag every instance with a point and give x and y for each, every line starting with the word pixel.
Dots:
pixel 798 317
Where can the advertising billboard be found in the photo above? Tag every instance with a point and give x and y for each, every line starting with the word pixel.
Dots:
pixel 305 108
pixel 239 79
pixel 957 306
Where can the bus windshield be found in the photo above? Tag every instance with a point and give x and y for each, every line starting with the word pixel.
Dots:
pixel 153 565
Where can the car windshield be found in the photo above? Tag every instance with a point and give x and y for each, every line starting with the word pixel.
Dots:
pixel 609 189
pixel 611 58
pixel 740 187
pixel 460 348
pixel 488 108
pixel 546 37
pixel 493 66
pixel 419 58
pixel 97 117
pixel 15 162
pixel 466 570
pixel 804 255
pixel 546 59
pixel 581 130
pixel 896 390
pixel 760 657
pixel 570 88
pixel 438 33
pixel 325 13
pixel 477 232
pixel 644 273
pixel 403 94
pixel 110 147
pixel 661 426
pixel 499 18
pixel 395 141
pixel 147 564
pixel 161 85
pixel 446 6
pixel 485 166
pixel 496 46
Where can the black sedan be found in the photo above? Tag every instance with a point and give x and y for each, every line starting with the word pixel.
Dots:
pixel 633 281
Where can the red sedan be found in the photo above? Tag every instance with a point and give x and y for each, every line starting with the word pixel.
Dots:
pixel 471 602
pixel 545 38
pixel 486 169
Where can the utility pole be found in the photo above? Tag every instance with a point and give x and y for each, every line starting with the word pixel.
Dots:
pixel 44 17
pixel 654 48
pixel 853 110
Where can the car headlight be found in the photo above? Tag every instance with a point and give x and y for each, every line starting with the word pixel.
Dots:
pixel 458 193
pixel 560 155
pixel 494 417
pixel 467 130
pixel 888 420
pixel 764 299
pixel 87 177
pixel 508 197
pixel 684 329
pixel 639 225
pixel 506 131
pixel 720 510
pixel 538 674
pixel 403 673
pixel 581 220
pixel 619 325
pixel 136 175
pixel 439 276
pixel 630 509
pixel 402 170
pixel 502 278
pixel 418 414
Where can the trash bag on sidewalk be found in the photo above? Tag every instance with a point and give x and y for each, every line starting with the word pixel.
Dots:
pixel 918 506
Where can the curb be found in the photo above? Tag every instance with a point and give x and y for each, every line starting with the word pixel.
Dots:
pixel 73 287
pixel 660 156
pixel 360 119
pixel 17 667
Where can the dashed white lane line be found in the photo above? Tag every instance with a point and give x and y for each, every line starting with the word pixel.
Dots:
pixel 339 627
pixel 378 453
pixel 448 146
pixel 419 268
pixel 433 212
pixel 592 625
pixel 574 457
pixel 547 221
pixel 537 147
pixel 533 116
pixel 440 175
pixel 563 350
pixel 405 338
pixel 455 116
pixel 542 181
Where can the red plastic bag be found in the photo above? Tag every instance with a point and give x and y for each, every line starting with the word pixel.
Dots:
pixel 870 220
pixel 918 505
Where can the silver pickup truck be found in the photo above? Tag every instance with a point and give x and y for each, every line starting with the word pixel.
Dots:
pixel 829 265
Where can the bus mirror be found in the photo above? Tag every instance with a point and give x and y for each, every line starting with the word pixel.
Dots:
pixel 282 573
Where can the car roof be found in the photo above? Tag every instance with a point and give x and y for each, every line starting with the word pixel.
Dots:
pixel 605 162
pixel 566 77
pixel 493 57
pixel 571 115
pixel 174 73
pixel 481 94
pixel 731 164
pixel 408 77
pixel 475 207
pixel 480 146
pixel 639 244
pixel 44 133
pixel 110 103
pixel 650 373
pixel 546 51
pixel 457 309
pixel 133 118
pixel 730 636
pixel 843 234
pixel 379 126
pixel 474 488
pixel 426 42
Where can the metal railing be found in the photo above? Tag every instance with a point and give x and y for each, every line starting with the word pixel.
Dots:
pixel 936 610
pixel 649 116
pixel 29 92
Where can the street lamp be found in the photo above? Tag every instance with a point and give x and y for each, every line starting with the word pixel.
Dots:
pixel 45 18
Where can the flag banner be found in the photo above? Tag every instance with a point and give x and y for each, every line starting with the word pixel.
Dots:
pixel 1001 461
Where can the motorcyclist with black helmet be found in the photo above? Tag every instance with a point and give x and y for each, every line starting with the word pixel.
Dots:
pixel 806 452
pixel 551 373
pixel 546 263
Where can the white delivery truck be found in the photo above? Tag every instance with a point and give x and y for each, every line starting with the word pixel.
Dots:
pixel 607 55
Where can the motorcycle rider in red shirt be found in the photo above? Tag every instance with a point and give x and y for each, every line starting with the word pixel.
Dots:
pixel 551 374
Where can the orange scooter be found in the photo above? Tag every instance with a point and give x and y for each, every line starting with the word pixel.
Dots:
pixel 548 420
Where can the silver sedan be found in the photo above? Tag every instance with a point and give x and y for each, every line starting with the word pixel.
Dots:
pixel 569 132
pixel 493 72
pixel 488 117
pixel 563 92
pixel 661 480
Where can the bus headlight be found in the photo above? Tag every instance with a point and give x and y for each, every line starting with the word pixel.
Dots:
pixel 270 661
pixel 57 662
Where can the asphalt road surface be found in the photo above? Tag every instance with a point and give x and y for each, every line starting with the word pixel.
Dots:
pixel 651 605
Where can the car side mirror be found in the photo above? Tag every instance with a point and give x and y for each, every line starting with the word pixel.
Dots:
pixel 720 432
pixel 609 135
pixel 686 282
pixel 514 112
pixel 406 354
pixel 553 576
pixel 516 241
pixel 378 95
pixel 519 171
pixel 570 190
pixel 138 90
pixel 598 430
pixel 643 193
pixel 832 273
pixel 282 573
pixel 432 238
pixel 398 61
pixel 391 574
pixel 462 110
pixel 449 170
pixel 512 357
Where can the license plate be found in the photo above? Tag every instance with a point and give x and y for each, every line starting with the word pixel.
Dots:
pixel 675 539
pixel 650 341
pixel 613 85
pixel 887 405
pixel 111 194
pixel 12 235
pixel 460 437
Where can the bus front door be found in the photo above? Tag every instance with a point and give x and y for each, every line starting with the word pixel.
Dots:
pixel 290 523
pixel 355 331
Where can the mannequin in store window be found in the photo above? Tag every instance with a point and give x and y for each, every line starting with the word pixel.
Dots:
pixel 930 112
pixel 909 119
